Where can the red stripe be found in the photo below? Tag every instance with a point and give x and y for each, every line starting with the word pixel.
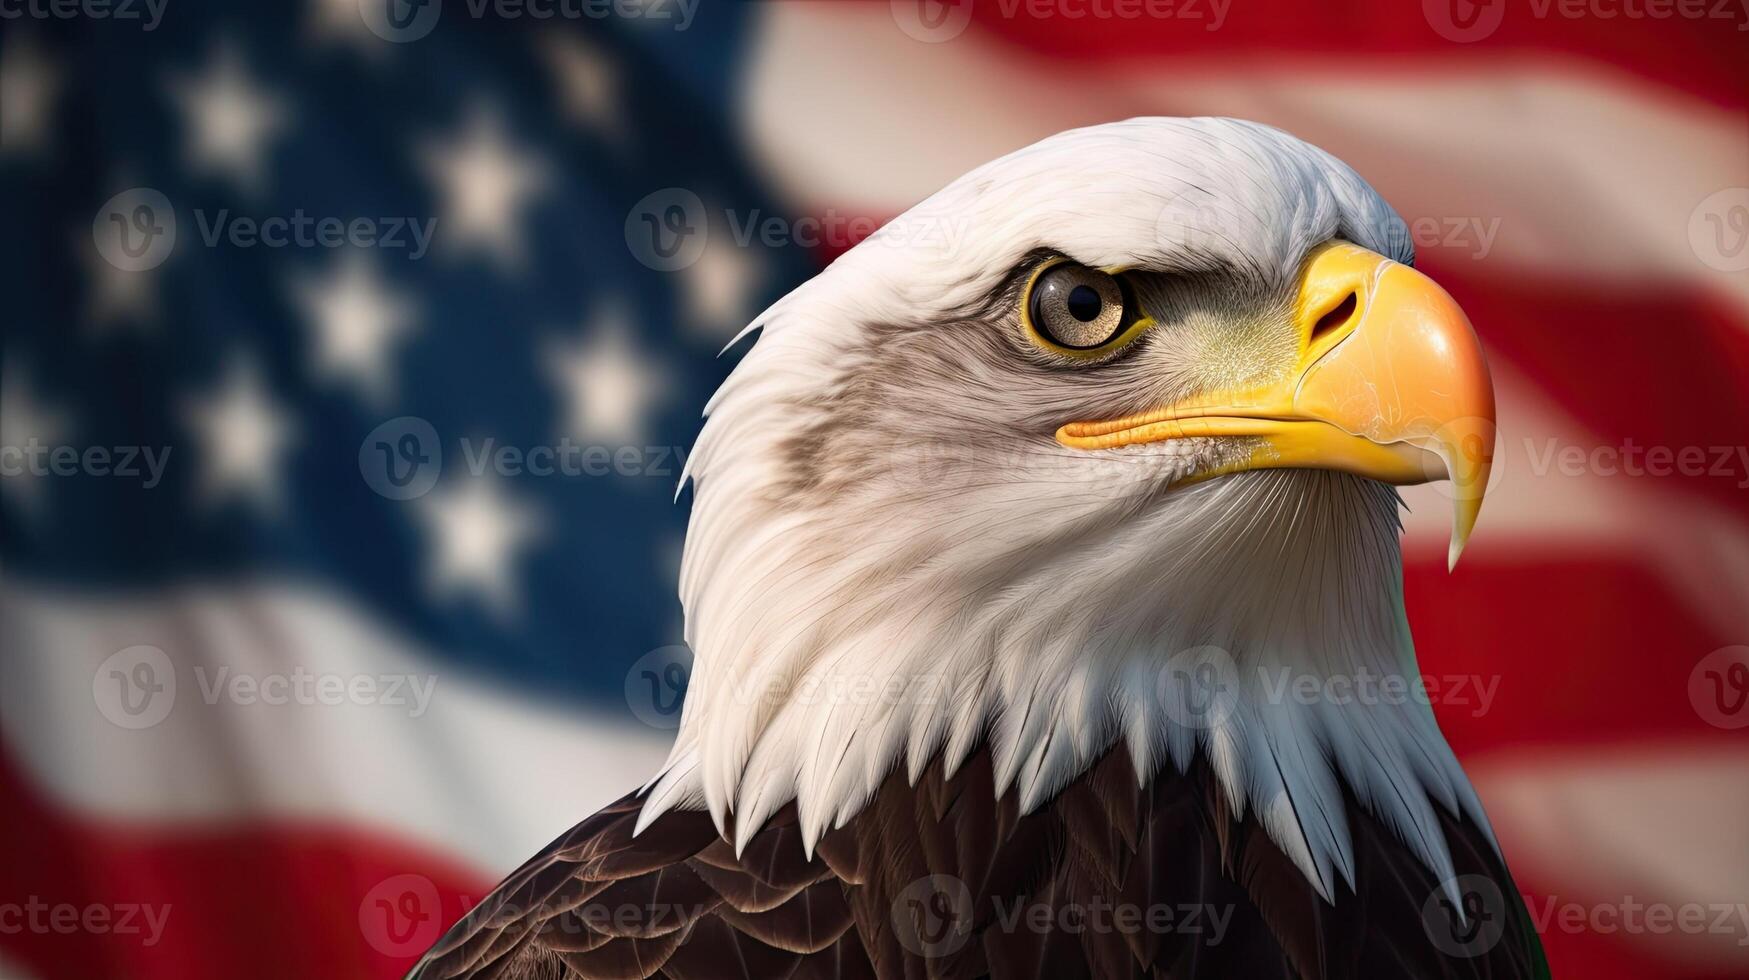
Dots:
pixel 1707 58
pixel 1584 649
pixel 264 900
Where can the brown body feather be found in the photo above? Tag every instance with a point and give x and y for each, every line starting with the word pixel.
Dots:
pixel 945 880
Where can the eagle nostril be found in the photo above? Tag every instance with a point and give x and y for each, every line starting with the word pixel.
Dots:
pixel 1338 316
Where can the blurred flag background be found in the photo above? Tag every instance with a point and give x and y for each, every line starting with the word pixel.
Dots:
pixel 352 352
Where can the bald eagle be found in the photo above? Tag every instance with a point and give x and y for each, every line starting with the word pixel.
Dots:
pixel 1040 548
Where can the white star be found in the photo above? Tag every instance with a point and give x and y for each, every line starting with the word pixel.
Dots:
pixel 28 86
pixel 588 82
pixel 478 531
pixel 334 21
pixel 358 320
pixel 243 438
pixel 608 386
pixel 716 288
pixel 116 295
pixel 228 121
pixel 27 426
pixel 485 186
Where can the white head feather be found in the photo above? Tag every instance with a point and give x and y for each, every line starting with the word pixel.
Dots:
pixel 890 559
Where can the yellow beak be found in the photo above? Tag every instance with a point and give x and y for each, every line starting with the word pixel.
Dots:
pixel 1390 384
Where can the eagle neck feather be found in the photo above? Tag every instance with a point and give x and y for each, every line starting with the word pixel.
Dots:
pixel 823 667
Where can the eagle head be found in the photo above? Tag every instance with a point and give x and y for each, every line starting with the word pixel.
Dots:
pixel 1114 413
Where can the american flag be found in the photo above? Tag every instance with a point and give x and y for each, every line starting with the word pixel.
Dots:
pixel 353 350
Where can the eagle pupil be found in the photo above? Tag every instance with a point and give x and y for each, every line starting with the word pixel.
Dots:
pixel 1084 303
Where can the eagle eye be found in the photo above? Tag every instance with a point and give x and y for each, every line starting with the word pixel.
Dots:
pixel 1076 310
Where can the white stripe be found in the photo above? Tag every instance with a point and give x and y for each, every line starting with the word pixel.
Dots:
pixel 482 775
pixel 12 971
pixel 1658 825
pixel 1590 173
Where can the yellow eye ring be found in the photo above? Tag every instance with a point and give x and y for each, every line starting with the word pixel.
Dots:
pixel 1078 312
